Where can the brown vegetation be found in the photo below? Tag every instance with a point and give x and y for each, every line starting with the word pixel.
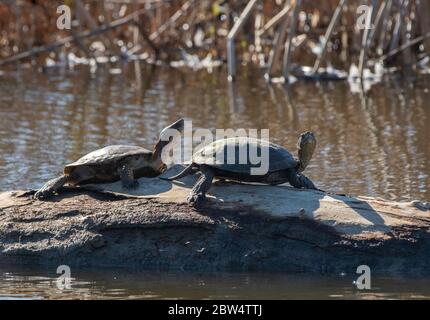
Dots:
pixel 165 30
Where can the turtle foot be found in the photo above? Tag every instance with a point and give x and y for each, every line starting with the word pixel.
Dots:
pixel 43 194
pixel 50 188
pixel 196 200
pixel 422 205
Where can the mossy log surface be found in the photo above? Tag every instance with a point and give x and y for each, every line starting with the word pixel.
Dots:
pixel 242 227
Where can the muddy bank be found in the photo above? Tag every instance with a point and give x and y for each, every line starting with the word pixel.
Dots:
pixel 243 227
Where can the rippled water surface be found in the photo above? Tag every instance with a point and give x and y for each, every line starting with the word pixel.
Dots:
pixel 375 146
pixel 126 284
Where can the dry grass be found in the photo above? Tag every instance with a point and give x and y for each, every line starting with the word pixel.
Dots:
pixel 28 24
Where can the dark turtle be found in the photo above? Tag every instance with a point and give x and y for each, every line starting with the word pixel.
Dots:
pixel 282 166
pixel 112 163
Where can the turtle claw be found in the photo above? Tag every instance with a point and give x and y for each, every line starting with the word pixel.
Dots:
pixel 42 194
pixel 50 188
pixel 196 200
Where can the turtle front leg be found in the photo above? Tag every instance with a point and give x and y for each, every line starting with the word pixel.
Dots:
pixel 198 194
pixel 50 187
pixel 127 178
pixel 298 180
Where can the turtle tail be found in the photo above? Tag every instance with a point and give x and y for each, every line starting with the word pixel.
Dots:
pixel 187 171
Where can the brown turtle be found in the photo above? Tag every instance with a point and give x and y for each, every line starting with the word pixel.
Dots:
pixel 112 163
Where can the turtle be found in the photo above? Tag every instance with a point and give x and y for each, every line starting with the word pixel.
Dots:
pixel 282 166
pixel 112 163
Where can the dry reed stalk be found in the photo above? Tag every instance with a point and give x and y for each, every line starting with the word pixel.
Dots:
pixel 333 23
pixel 288 45
pixel 277 45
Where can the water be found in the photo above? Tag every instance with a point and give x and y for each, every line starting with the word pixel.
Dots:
pixel 126 284
pixel 377 146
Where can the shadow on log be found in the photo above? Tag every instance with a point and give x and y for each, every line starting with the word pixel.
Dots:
pixel 242 227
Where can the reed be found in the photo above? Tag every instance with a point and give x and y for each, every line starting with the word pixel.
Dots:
pixel 269 31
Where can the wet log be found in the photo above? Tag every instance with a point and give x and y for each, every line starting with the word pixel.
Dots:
pixel 242 227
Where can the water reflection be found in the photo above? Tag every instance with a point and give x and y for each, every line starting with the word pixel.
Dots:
pixel 134 284
pixel 375 145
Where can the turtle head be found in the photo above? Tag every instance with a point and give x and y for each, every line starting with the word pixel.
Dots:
pixel 306 146
pixel 166 136
pixel 177 125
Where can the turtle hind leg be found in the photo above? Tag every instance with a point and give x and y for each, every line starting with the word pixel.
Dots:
pixel 50 187
pixel 127 178
pixel 198 194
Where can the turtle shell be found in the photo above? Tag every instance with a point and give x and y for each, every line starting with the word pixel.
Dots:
pixel 107 156
pixel 219 154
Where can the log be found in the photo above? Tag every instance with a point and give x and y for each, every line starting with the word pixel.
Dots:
pixel 242 227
